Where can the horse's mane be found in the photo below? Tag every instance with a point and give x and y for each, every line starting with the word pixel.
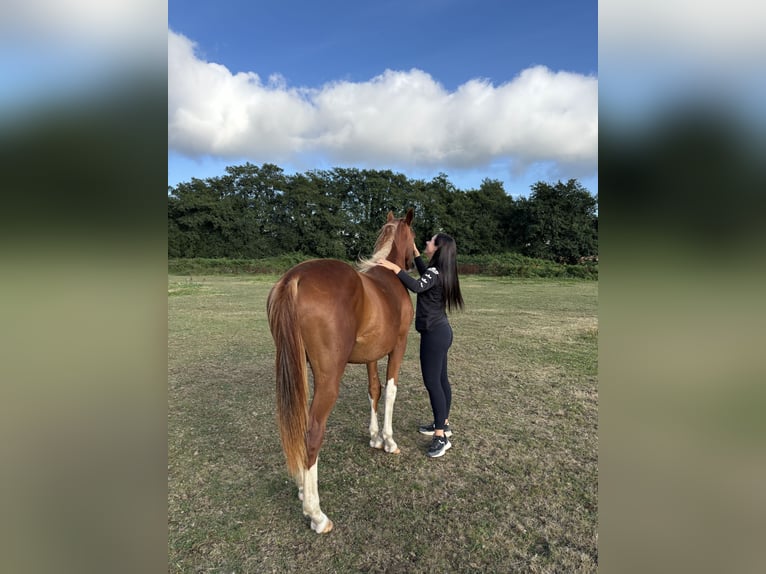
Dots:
pixel 382 248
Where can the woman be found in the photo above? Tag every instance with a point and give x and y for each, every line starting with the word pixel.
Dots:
pixel 438 289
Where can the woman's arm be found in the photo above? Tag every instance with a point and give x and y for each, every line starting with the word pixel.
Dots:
pixel 420 264
pixel 426 281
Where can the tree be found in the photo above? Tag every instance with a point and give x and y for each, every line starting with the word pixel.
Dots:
pixel 559 222
pixel 251 197
pixel 194 220
pixel 431 202
pixel 310 218
pixel 254 212
pixel 228 216
pixel 481 218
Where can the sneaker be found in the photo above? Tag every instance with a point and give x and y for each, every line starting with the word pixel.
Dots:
pixel 439 445
pixel 429 430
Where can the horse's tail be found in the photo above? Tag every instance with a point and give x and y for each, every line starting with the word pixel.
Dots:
pixel 291 373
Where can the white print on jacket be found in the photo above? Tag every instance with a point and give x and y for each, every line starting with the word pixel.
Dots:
pixel 426 278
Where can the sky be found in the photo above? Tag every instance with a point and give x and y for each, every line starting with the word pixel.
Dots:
pixel 498 89
pixel 655 55
pixel 502 89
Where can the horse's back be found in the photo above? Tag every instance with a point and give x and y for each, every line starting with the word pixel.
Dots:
pixel 323 280
pixel 363 313
pixel 328 298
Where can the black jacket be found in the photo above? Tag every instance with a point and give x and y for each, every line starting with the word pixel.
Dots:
pixel 431 309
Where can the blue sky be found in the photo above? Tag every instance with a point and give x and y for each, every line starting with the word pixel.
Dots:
pixel 473 89
pixel 499 89
pixel 710 52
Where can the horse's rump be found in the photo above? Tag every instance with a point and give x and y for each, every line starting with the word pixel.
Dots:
pixel 359 313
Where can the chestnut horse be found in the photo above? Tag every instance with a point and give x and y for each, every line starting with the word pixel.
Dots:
pixel 331 314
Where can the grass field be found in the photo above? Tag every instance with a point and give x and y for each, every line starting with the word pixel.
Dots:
pixel 516 493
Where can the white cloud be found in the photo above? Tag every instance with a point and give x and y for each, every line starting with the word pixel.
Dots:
pixel 66 51
pixel 718 33
pixel 655 56
pixel 399 118
pixel 121 28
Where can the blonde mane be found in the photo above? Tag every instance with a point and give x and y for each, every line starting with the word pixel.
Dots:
pixel 382 247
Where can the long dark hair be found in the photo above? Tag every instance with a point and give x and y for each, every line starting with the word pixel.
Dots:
pixel 445 260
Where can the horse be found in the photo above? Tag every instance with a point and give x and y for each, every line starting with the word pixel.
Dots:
pixel 330 314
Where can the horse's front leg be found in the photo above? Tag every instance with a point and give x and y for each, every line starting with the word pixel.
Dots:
pixel 392 381
pixel 376 440
pixel 388 430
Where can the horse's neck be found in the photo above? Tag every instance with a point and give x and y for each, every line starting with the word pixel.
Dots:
pixel 395 257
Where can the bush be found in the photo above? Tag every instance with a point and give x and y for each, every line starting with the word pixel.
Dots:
pixel 517 265
pixel 222 266
pixel 498 265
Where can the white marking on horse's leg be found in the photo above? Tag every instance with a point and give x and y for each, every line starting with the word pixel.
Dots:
pixel 376 441
pixel 319 521
pixel 388 430
pixel 299 483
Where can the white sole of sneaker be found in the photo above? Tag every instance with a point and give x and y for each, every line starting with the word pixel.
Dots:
pixel 441 452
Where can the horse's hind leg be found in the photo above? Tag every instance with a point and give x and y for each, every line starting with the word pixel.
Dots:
pixel 319 521
pixel 392 380
pixel 299 484
pixel 376 439
pixel 325 394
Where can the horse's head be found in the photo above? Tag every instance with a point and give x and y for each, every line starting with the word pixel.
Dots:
pixel 404 238
pixel 396 242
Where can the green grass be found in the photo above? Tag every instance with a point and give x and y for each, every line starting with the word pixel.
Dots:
pixel 516 493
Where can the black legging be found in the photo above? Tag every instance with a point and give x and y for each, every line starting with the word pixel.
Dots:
pixel 434 345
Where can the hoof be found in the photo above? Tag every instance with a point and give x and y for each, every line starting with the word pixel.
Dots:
pixel 393 450
pixel 376 444
pixel 324 526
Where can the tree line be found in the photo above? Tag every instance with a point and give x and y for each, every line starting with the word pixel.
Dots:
pixel 254 211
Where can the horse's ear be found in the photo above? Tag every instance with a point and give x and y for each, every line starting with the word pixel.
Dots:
pixel 408 217
pixel 390 217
